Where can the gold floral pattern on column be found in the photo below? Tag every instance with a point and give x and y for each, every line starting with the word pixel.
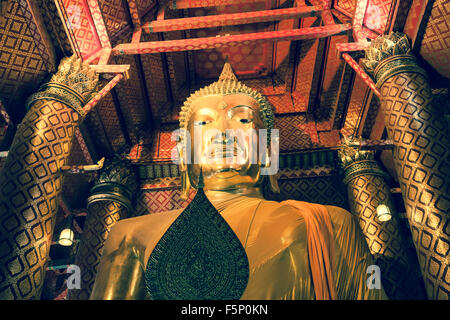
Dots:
pixel 368 187
pixel 421 154
pixel 31 179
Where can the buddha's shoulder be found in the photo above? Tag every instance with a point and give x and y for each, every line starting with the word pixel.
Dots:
pixel 146 224
pixel 292 211
pixel 277 218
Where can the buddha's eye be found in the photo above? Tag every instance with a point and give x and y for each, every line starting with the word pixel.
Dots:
pixel 201 123
pixel 245 120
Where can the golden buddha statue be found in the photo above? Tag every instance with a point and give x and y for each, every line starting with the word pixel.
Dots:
pixel 293 249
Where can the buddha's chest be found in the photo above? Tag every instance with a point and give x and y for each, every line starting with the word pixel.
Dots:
pixel 276 255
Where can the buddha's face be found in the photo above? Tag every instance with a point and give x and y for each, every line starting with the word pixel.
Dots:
pixel 221 143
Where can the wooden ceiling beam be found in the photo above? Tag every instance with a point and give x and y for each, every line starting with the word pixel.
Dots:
pixel 361 73
pixel 351 46
pixel 186 4
pixel 229 41
pixel 132 7
pixel 99 23
pixel 230 19
pixel 291 73
pixel 103 92
pixel 112 68
pixel 36 27
pixel 86 145
pixel 134 21
pixel 120 117
pixel 327 17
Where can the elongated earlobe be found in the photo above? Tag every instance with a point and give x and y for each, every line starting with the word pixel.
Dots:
pixel 273 182
pixel 185 185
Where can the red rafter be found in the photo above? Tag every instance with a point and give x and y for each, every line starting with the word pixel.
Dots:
pixel 134 13
pixel 88 107
pixel 327 17
pixel 230 19
pixel 112 68
pixel 351 46
pixel 229 41
pixel 94 56
pixel 104 58
pixel 136 35
pixel 186 4
pixel 83 146
pixel 99 23
pixel 360 72
pixel 358 19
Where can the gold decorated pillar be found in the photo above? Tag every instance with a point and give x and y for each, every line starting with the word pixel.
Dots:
pixel 368 194
pixel 31 179
pixel 110 200
pixel 421 153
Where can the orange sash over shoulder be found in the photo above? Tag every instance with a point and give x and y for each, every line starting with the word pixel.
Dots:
pixel 320 248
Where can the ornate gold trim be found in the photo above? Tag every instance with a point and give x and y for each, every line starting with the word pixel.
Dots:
pixel 73 84
pixel 363 167
pixel 394 65
pixel 111 191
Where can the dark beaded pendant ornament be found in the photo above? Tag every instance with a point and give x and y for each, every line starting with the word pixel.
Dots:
pixel 198 258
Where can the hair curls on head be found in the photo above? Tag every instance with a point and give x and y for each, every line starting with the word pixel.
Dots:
pixel 229 84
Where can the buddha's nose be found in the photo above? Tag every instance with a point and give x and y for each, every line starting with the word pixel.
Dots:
pixel 223 138
pixel 223 124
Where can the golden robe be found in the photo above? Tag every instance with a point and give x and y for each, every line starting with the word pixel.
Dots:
pixel 275 238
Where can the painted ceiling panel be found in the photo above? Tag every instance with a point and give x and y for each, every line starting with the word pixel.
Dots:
pixel 355 106
pixel 329 138
pixel 307 56
pixel 155 80
pixel 247 60
pixel 325 111
pixel 293 132
pixel 377 14
pixel 436 41
pixel 80 23
pixel 164 144
pixel 22 68
pixel 132 98
pixel 144 5
pixel 97 131
pixel 348 5
pixel 108 114
pixel 177 65
pixel 345 89
pixel 372 114
pixel 132 93
pixel 55 28
pixel 113 15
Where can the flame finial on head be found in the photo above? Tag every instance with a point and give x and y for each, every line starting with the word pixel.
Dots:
pixel 227 72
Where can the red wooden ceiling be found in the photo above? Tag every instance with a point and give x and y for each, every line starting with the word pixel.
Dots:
pixel 315 95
